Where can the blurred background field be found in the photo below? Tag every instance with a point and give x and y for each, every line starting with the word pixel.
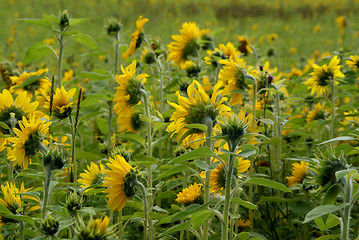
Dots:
pixel 300 27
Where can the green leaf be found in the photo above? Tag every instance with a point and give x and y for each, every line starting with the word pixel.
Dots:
pixel 19 218
pixel 242 236
pixel 134 137
pixel 93 75
pixel 88 155
pixel 199 218
pixel 331 194
pixel 268 183
pixel 176 228
pixel 86 40
pixel 4 125
pixel 4 209
pixel 202 165
pixel 201 152
pixel 243 203
pixel 330 222
pixel 41 22
pixel 159 126
pixel 30 80
pixel 342 173
pixel 267 121
pixel 328 237
pixel 102 125
pixel 323 210
pixel 188 211
pixel 201 127
pixel 75 21
pixel 172 171
pixel 272 140
pixel 344 138
pixel 275 199
pixel 299 208
pixel 36 51
pixel 143 159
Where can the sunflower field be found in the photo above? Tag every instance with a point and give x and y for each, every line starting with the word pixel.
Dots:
pixel 162 119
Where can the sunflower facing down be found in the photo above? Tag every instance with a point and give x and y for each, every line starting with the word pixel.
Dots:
pixel 299 171
pixel 92 177
pixel 322 76
pixel 190 195
pixel 119 182
pixel 130 91
pixel 29 140
pixel 129 122
pixel 61 105
pixel 196 109
pixel 184 45
pixel 244 45
pixel 137 38
pixel 317 113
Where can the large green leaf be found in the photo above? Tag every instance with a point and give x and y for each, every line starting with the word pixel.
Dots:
pixel 176 228
pixel 243 203
pixel 268 183
pixel 323 210
pixel 172 171
pixel 85 40
pixel 201 152
pixel 36 51
pixel 200 217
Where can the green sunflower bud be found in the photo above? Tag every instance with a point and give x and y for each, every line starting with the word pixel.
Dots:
pixel 113 27
pixel 74 202
pixel 64 20
pixel 50 226
pixel 233 129
pixel 53 160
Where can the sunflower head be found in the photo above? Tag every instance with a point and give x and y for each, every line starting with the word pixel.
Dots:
pixel 244 45
pixel 192 69
pixel 206 39
pixel 317 113
pixel 113 27
pixel 214 56
pixel 10 200
pixel 129 122
pixel 327 169
pixel 50 226
pixel 53 160
pixel 353 62
pixel 148 56
pixel 233 129
pixel 95 229
pixel 185 45
pixel 190 195
pixel 299 170
pixel 137 38
pixel 61 104
pixel 92 176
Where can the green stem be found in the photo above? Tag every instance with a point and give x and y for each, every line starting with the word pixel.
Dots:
pixel 279 134
pixel 149 154
pixel 12 134
pixel 333 109
pixel 73 153
pixel 22 230
pixel 250 194
pixel 120 224
pixel 46 192
pixel 209 123
pixel 145 210
pixel 59 61
pixel 346 215
pixel 116 56
pixel 109 128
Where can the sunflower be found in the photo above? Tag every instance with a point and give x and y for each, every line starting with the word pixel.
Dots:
pixel 95 229
pixel 341 24
pixel 317 113
pixel 232 77
pixel 184 45
pixel 148 56
pixel 190 195
pixel 243 223
pixel 129 122
pixel 353 62
pixel 137 38
pixel 196 109
pixel 61 104
pixel 12 199
pixel 22 106
pixel 119 182
pixel 299 171
pixel 321 76
pixel 192 69
pixel 29 140
pixel 40 87
pixel 207 39
pixel 92 177
pixel 244 45
pixel 130 91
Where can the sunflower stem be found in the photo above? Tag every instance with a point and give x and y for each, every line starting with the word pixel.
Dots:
pixel 46 191
pixel 250 194
pixel 145 209
pixel 348 190
pixel 333 109
pixel 149 154
pixel 59 60
pixel 73 153
pixel 22 230
pixel 227 200
pixel 207 184
pixel 109 130
pixel 278 134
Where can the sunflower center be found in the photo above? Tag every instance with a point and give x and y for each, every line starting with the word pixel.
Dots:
pixel 136 122
pixel 134 89
pixel 32 144
pixel 5 117
pixel 191 49
pixel 324 78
